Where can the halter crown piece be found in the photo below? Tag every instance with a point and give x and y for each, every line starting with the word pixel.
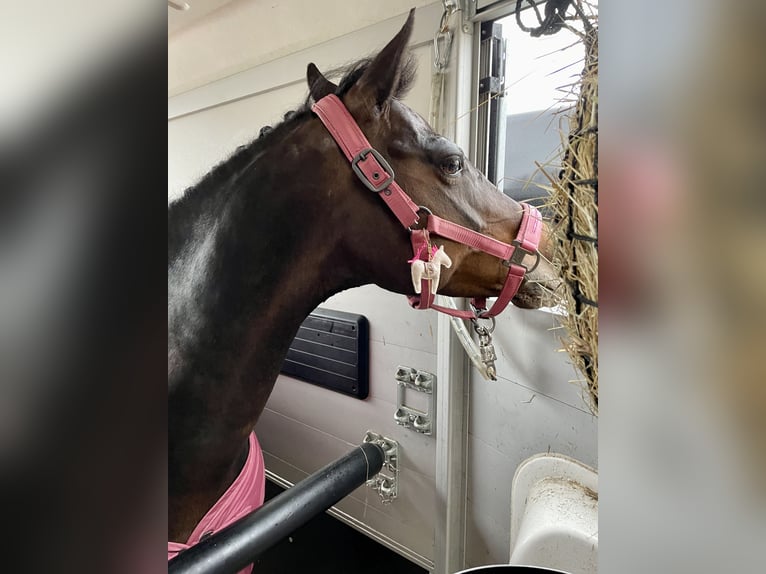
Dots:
pixel 376 174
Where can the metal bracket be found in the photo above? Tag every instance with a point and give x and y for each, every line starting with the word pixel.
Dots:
pixel 491 85
pixel 421 382
pixel 468 8
pixel 386 482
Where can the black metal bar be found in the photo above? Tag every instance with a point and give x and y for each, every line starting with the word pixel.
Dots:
pixel 239 544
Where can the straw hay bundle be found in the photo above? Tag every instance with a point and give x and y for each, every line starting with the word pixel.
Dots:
pixel 574 204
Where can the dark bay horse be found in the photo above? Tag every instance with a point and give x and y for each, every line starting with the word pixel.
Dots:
pixel 282 225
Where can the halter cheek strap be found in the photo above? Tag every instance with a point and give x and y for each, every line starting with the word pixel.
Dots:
pixel 378 176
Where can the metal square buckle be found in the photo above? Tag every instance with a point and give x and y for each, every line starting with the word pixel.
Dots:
pixel 518 255
pixel 373 185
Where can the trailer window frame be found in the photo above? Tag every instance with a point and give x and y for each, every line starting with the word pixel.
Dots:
pixel 491 98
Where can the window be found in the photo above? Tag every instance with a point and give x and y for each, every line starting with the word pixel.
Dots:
pixel 525 92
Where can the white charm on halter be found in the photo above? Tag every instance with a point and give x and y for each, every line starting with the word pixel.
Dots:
pixel 429 270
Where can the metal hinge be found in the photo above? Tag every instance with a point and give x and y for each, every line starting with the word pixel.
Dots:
pixel 421 382
pixel 386 482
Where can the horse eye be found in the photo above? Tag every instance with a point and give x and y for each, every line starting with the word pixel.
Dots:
pixel 452 165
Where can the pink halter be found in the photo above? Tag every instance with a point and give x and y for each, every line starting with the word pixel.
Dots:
pixel 376 174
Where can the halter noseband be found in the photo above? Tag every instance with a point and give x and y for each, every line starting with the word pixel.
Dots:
pixel 378 176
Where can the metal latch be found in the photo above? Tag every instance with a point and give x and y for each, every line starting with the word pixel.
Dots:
pixel 486 348
pixel 421 382
pixel 386 482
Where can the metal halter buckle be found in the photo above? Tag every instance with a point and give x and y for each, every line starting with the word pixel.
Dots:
pixel 518 255
pixel 372 186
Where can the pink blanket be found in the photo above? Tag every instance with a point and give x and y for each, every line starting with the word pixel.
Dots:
pixel 244 495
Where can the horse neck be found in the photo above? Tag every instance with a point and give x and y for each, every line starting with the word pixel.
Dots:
pixel 249 270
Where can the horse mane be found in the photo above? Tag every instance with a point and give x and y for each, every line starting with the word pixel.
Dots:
pixel 196 197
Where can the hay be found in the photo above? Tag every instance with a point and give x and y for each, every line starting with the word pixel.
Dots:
pixel 574 207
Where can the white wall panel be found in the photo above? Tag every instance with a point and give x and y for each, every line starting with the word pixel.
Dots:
pixel 392 320
pixel 531 409
pixel 518 422
pixel 306 449
pixel 347 419
pixel 198 141
pixel 528 345
pixel 248 33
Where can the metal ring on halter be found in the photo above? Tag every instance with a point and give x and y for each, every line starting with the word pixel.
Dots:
pixel 476 325
pixel 537 262
pixel 518 255
pixel 421 210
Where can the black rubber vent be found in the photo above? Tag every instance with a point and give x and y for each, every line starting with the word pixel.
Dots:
pixel 331 350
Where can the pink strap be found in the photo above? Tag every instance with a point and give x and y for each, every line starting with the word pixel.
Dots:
pixel 421 245
pixel 444 228
pixel 530 229
pixel 352 142
pixel 511 287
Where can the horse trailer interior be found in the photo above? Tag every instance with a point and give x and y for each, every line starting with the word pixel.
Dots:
pixel 236 66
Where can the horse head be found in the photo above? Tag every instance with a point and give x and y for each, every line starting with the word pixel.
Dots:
pixel 434 172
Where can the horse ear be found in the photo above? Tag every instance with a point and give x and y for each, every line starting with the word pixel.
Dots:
pixel 381 78
pixel 319 86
